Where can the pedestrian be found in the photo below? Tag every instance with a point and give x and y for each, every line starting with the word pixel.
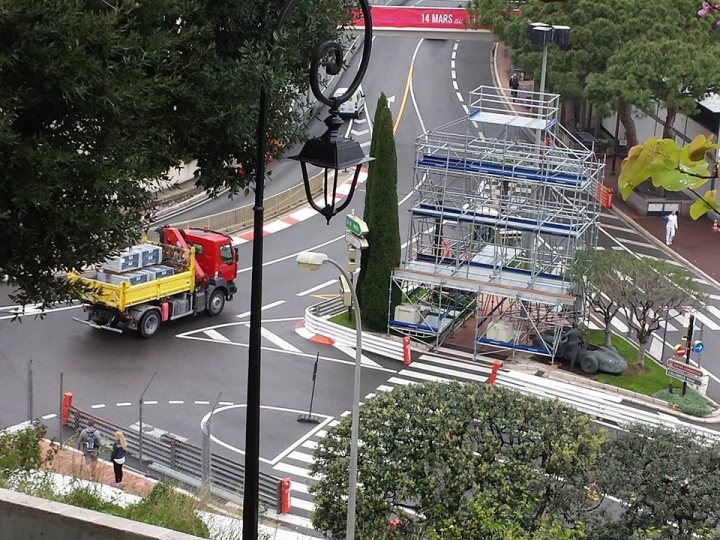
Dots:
pixel 514 85
pixel 119 449
pixel 90 442
pixel 671 227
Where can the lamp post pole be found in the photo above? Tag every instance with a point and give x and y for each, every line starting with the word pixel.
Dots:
pixel 352 474
pixel 252 423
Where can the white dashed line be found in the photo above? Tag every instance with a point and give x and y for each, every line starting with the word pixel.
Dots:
pixel 455 85
pixel 123 404
pixel 176 402
pixel 98 406
pixel 202 403
pixel 49 416
pixel 150 402
pixel 317 287
pixel 268 306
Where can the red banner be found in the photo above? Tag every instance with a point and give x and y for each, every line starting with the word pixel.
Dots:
pixel 415 17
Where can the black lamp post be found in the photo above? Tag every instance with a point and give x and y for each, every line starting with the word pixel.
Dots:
pixel 331 152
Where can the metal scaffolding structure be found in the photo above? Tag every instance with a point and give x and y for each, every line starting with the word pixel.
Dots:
pixel 496 225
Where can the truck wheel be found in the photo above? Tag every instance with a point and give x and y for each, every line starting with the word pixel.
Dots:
pixel 216 303
pixel 149 323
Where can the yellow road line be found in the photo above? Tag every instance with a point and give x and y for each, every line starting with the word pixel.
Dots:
pixel 404 99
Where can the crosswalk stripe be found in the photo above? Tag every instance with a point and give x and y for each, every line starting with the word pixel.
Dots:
pixel 301 456
pixel 599 248
pixel 455 363
pixel 312 445
pixel 383 388
pixel 619 325
pixel 396 380
pixel 712 309
pixel 294 470
pixel 422 376
pixel 712 325
pixel 636 243
pixel 451 372
pixel 302 504
pixel 592 325
pixel 627 228
pixel 299 487
pixel 656 348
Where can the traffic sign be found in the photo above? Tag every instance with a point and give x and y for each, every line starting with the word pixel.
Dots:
pixel 680 351
pixel 356 225
pixel 683 377
pixel 355 241
pixel 687 369
pixel 698 346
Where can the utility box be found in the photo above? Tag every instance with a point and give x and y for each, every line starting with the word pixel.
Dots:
pixel 501 331
pixel 407 313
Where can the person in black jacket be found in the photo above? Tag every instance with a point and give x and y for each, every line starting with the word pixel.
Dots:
pixel 119 449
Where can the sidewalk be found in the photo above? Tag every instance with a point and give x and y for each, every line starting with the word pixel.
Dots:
pixel 695 242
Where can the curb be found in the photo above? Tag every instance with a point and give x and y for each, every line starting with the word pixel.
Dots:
pixel 321 327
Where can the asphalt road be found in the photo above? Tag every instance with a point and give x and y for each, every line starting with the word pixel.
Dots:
pixel 197 359
pixel 107 372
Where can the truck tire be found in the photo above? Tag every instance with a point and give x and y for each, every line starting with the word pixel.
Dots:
pixel 216 303
pixel 149 323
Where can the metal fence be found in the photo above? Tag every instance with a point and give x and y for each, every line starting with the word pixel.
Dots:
pixel 184 462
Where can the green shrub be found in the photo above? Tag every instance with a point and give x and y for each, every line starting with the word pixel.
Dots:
pixel 692 403
pixel 166 507
pixel 20 450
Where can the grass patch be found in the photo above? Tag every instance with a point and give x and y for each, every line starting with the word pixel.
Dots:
pixel 345 320
pixel 652 381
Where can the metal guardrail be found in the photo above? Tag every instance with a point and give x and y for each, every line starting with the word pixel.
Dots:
pixel 316 322
pixel 226 476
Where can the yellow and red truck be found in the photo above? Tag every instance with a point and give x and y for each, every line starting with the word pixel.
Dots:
pixel 190 271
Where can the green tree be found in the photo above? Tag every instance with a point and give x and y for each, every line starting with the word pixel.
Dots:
pixel 668 480
pixel 599 285
pixel 432 453
pixel 673 168
pixel 99 99
pixel 651 292
pixel 381 215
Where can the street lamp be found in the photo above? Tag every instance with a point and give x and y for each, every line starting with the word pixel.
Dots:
pixel 311 261
pixel 330 152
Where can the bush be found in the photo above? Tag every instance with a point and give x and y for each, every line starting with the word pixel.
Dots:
pixel 20 451
pixel 692 403
pixel 166 507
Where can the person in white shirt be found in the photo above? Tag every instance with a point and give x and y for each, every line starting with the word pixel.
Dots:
pixel 671 226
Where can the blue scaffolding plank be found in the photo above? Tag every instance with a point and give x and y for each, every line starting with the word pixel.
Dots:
pixel 494 169
pixel 511 345
pixel 522 224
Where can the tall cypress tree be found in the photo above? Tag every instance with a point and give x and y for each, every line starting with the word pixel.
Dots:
pixel 381 215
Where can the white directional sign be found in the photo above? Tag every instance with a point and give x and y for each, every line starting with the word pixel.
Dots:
pixel 355 241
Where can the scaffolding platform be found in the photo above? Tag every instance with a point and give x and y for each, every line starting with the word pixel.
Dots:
pixel 496 225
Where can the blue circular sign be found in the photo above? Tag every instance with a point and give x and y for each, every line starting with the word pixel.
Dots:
pixel 698 346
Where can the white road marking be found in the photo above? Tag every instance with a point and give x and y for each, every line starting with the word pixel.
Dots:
pixel 300 487
pixel 98 406
pixel 294 470
pixel 455 85
pixel 317 287
pixel 176 402
pixel 214 334
pixel 123 404
pixel 452 66
pixel 712 309
pixel 37 313
pixel 267 306
pixel 158 433
pixel 636 243
pixel 397 380
pixel 712 325
pixel 275 226
pixel 301 456
pixel 277 340
pixel 350 351
pixel 619 326
pixel 225 403
pixel 384 388
pixel 304 213
pixel 150 402
pixel 626 228
pixel 302 504
pixel 202 403
pixel 452 73
pixel 312 445
pixel 49 416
